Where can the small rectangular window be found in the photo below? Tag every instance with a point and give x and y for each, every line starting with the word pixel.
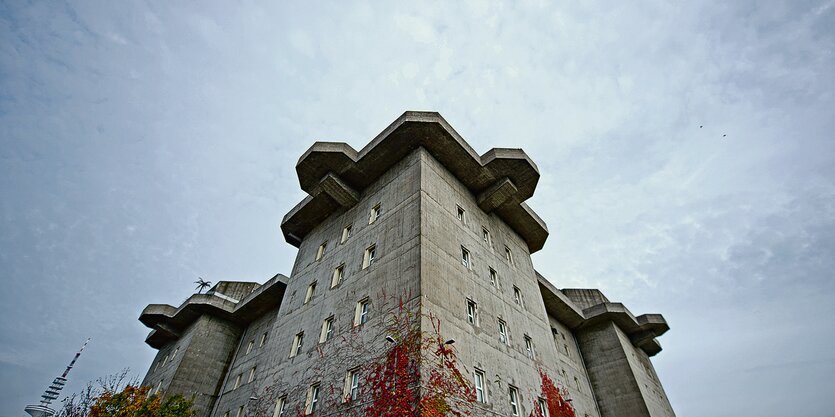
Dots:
pixel 361 313
pixel 494 278
pixel 508 255
pixel 480 394
pixel 369 257
pixel 528 346
pixel 321 251
pixel 251 375
pixel 237 382
pixel 461 214
pixel 465 257
pixel 240 412
pixel 263 340
pixel 298 341
pixel 375 214
pixel 517 295
pixel 338 274
pixel 577 383
pixel 327 330
pixel 279 406
pixel 346 234
pixel 514 401
pixel 565 349
pixel 503 332
pixel 485 235
pixel 310 290
pixel 472 312
pixel 249 347
pixel 312 399
pixel 543 407
pixel 352 384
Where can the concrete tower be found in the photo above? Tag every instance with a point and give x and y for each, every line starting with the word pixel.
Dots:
pixel 415 213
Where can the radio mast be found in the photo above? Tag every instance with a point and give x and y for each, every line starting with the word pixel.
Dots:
pixel 51 393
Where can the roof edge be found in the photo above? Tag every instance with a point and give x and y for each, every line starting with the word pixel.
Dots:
pixel 167 321
pixel 354 171
pixel 581 308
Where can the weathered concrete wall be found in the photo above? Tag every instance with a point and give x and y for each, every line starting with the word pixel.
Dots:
pixel 394 273
pixel 585 298
pixel 447 285
pixel 244 360
pixel 647 380
pixel 196 372
pixel 571 369
pixel 623 386
pixel 234 290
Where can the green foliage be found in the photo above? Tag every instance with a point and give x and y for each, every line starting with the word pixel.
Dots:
pixel 176 406
pixel 116 396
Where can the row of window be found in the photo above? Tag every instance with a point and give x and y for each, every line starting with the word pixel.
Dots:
pixel 368 258
pixel 466 259
pixel 556 334
pixel 485 236
pixel 170 358
pixel 376 211
pixel 251 343
pixel 239 378
pixel 512 394
pixel 167 358
pixel 479 382
pixel 349 393
pixel 247 351
pixel 360 318
pixel 472 318
pixel 494 279
pixel 351 390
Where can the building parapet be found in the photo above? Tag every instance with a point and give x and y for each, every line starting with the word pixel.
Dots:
pixel 167 322
pixel 566 306
pixel 334 175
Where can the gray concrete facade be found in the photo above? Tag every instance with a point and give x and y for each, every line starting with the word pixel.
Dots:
pixel 450 235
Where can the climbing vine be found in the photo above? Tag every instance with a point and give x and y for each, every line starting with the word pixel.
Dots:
pixel 557 405
pixel 394 383
pixel 404 371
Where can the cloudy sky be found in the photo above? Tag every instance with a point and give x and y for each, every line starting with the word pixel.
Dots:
pixel 686 152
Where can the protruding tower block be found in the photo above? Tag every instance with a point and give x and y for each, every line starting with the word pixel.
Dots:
pixel 197 341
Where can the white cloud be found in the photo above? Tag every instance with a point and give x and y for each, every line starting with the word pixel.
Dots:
pixel 184 123
pixel 416 27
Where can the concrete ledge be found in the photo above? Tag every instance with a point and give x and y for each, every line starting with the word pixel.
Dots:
pixel 168 321
pixel 349 172
pixel 558 305
pixel 565 305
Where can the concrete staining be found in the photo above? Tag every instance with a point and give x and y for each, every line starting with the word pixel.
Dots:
pixel 416 213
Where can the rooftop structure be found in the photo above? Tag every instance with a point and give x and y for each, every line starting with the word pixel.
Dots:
pixel 418 214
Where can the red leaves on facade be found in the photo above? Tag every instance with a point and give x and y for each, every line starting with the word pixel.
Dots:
pixel 394 383
pixel 556 404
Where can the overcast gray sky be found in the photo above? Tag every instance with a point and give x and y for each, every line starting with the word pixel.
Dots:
pixel 145 144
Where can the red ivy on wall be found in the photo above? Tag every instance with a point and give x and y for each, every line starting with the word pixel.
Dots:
pixel 414 374
pixel 394 383
pixel 557 405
